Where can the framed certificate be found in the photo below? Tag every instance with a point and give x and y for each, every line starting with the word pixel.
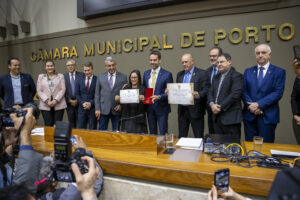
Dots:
pixel 181 93
pixel 129 96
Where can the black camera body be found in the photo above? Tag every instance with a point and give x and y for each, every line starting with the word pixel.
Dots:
pixel 63 154
pixel 6 121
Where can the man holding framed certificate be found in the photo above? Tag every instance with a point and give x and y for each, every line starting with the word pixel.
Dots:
pixel 192 114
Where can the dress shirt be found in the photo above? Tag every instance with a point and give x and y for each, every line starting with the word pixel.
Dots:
pixel 156 75
pixel 188 75
pixel 86 79
pixel 113 76
pixel 266 66
pixel 219 87
pixel 16 83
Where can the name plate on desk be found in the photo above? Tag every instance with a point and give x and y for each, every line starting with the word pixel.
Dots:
pixel 181 93
pixel 129 96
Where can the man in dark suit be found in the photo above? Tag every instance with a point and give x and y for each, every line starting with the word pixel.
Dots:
pixel 70 80
pixel 212 71
pixel 16 88
pixel 108 86
pixel 157 78
pixel 85 92
pixel 263 88
pixel 192 114
pixel 224 98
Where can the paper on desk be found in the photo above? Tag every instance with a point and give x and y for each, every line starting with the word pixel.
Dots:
pixel 189 142
pixel 285 153
pixel 187 155
pixel 37 131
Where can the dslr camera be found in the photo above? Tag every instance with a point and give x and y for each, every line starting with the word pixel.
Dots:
pixel 63 154
pixel 6 121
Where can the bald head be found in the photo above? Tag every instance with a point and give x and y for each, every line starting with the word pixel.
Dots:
pixel 187 62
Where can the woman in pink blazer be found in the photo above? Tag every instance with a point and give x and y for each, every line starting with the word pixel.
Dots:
pixel 51 90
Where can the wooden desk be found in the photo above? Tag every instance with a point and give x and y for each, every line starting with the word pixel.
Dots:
pixel 125 162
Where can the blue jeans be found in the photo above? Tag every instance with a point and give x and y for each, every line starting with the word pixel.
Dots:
pixel 104 119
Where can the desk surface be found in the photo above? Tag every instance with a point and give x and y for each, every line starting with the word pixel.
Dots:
pixel 256 180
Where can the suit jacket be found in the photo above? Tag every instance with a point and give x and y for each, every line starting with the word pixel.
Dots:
pixel 295 97
pixel 84 95
pixel 229 96
pixel 104 96
pixel 68 94
pixel 209 71
pixel 164 77
pixel 267 96
pixel 28 89
pixel 199 78
pixel 44 92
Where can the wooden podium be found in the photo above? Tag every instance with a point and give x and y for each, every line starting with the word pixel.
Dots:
pixel 139 156
pixel 133 143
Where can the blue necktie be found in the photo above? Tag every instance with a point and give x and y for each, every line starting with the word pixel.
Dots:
pixel 260 76
pixel 73 84
pixel 186 77
pixel 213 74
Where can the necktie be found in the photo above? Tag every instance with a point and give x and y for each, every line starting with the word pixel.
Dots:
pixel 213 74
pixel 111 82
pixel 260 76
pixel 219 87
pixel 73 84
pixel 153 80
pixel 88 84
pixel 186 77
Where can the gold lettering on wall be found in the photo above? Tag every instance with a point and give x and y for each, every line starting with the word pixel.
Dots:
pixel 268 29
pixel 144 41
pixel 165 45
pixel 99 51
pixel 186 37
pixel 199 39
pixel 220 34
pixel 238 32
pixel 262 34
pixel 291 29
pixel 89 51
pixel 125 48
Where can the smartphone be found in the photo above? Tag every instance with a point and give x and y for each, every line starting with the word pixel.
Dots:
pixel 222 180
pixel 296 49
pixel 73 140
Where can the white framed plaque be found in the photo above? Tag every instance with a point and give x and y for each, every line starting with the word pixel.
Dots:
pixel 181 93
pixel 129 96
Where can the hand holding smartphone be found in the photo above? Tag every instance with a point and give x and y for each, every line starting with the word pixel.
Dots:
pixel 221 180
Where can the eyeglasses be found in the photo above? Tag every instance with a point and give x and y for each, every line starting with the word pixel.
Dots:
pixel 133 77
pixel 212 56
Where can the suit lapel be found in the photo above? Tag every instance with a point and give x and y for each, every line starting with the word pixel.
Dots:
pixel 268 75
pixel 193 75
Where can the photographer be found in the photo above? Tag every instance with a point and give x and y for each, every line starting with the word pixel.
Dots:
pixel 28 163
pixel 47 182
pixel 85 184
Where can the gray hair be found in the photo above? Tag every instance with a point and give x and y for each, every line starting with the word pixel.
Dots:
pixel 109 59
pixel 45 169
pixel 70 60
pixel 268 47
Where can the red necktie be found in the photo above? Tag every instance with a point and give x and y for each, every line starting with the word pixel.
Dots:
pixel 88 84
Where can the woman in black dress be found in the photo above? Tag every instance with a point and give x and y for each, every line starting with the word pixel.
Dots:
pixel 133 117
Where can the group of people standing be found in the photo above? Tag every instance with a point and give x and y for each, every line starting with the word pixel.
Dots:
pixel 218 90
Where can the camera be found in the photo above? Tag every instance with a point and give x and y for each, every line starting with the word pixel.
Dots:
pixel 63 154
pixel 6 121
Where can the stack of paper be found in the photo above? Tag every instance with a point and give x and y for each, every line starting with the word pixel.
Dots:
pixel 190 143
